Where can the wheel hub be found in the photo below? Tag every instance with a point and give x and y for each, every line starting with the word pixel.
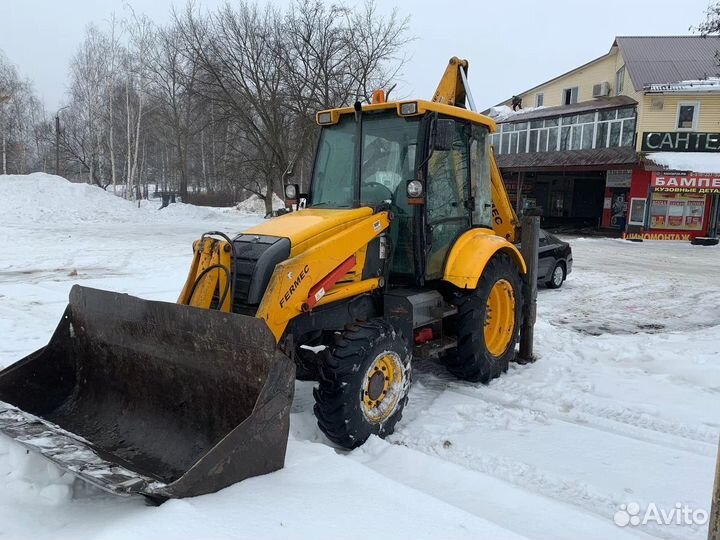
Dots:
pixel 382 386
pixel 376 385
pixel 499 318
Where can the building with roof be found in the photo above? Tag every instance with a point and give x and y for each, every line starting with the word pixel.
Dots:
pixel 629 141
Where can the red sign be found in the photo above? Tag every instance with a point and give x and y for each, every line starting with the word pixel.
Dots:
pixel 678 183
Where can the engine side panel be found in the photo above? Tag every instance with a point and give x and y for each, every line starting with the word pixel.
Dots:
pixel 286 294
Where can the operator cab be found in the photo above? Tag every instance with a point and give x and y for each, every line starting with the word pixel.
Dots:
pixel 431 171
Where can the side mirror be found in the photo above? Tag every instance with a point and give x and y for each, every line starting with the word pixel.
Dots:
pixel 443 134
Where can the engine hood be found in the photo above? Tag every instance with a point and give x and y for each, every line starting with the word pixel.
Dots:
pixel 307 227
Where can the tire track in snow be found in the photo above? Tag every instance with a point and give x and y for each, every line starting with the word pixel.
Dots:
pixel 584 412
pixel 438 443
pixel 568 406
pixel 529 477
pixel 457 485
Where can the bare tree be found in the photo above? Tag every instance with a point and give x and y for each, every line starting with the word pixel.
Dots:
pixel 88 76
pixel 711 24
pixel 110 81
pixel 266 72
pixel 140 31
pixel 376 47
pixel 20 114
pixel 171 76
pixel 221 100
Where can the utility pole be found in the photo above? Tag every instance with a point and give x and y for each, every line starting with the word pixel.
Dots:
pixel 57 140
pixel 529 246
pixel 57 143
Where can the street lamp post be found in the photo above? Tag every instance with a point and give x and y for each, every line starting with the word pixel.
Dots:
pixel 57 140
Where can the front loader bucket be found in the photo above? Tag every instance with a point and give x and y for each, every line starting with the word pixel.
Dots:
pixel 161 399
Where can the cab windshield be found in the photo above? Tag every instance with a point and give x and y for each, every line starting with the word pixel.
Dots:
pixel 389 144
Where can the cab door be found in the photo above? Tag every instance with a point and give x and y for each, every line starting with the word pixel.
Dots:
pixel 446 207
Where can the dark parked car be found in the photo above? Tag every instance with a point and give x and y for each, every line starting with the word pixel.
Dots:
pixel 554 260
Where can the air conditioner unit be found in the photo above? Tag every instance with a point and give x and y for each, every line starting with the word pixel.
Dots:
pixel 601 89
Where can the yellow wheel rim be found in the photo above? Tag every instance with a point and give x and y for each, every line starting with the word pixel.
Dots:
pixel 382 387
pixel 500 318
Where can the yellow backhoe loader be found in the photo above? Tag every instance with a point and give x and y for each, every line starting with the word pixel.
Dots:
pixel 402 248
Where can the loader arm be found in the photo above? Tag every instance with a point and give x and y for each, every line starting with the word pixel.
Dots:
pixel 209 277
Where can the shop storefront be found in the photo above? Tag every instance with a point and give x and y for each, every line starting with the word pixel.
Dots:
pixel 672 206
pixel 565 198
pixel 572 163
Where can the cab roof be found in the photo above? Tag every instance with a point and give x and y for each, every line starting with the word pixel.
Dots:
pixel 423 107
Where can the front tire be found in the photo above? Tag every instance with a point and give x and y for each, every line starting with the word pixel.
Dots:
pixel 557 278
pixel 487 325
pixel 364 383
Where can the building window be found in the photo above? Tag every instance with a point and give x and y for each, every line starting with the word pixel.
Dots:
pixel 597 129
pixel 677 211
pixel 539 99
pixel 619 80
pixel 687 115
pixel 570 95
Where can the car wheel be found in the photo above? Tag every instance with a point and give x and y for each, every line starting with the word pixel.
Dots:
pixel 557 277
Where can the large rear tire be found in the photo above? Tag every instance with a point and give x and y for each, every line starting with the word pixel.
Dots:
pixel 487 325
pixel 364 383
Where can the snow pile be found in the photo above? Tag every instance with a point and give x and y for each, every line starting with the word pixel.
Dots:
pixel 40 199
pixel 501 113
pixel 179 210
pixel 699 162
pixel 45 199
pixel 711 84
pixel 256 205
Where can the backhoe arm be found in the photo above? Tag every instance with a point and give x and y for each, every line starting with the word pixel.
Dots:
pixel 505 221
pixel 451 90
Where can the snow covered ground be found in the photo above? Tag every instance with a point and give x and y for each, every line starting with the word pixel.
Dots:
pixel 621 407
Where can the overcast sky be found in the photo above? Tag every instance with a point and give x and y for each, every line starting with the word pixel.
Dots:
pixel 511 45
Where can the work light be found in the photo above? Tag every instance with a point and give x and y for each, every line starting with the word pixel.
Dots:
pixel 414 189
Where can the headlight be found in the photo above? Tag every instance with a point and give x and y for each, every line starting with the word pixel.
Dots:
pixel 324 118
pixel 407 109
pixel 291 191
pixel 414 189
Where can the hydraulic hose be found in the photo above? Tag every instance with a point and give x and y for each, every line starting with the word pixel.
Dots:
pixel 232 269
pixel 203 274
